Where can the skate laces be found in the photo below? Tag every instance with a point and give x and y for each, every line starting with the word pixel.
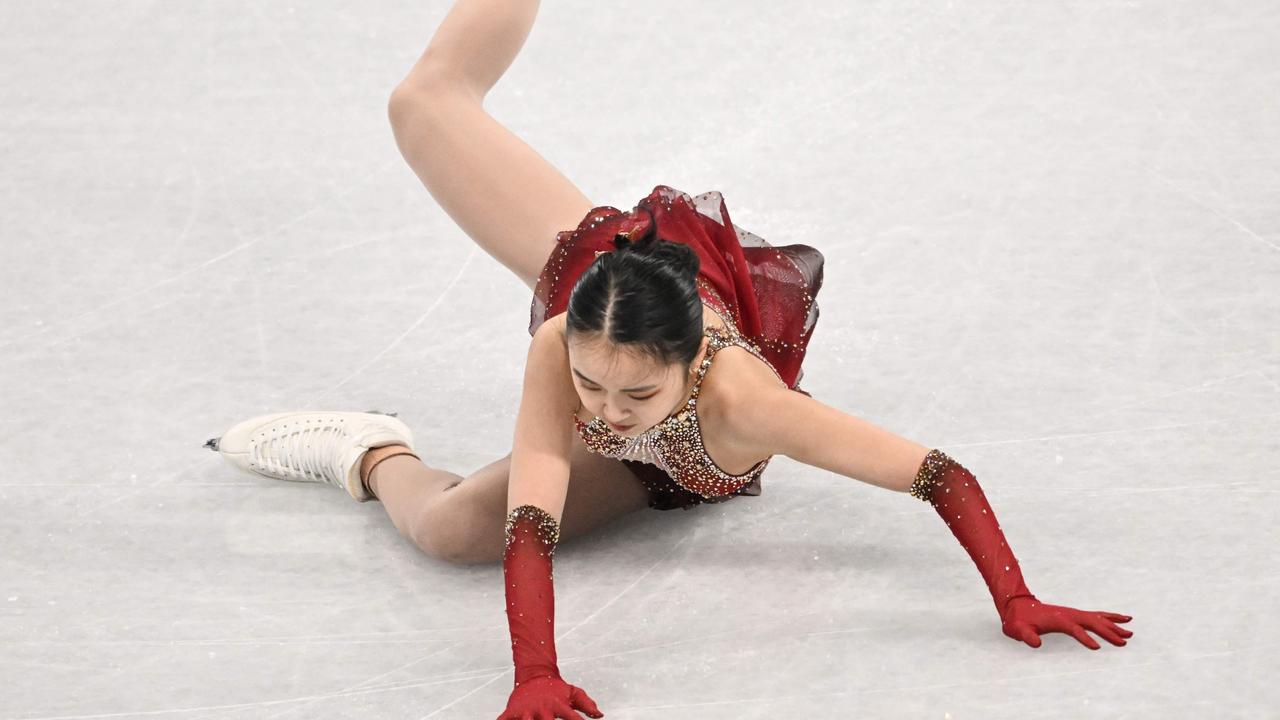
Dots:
pixel 309 453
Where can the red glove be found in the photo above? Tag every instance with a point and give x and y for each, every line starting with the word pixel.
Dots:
pixel 539 692
pixel 954 492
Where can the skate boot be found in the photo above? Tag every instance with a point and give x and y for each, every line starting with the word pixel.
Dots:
pixel 311 446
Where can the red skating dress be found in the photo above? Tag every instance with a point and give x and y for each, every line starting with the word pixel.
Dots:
pixel 766 296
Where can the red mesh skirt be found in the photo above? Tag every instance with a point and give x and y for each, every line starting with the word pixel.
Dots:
pixel 768 292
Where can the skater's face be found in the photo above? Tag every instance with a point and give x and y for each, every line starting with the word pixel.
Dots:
pixel 625 388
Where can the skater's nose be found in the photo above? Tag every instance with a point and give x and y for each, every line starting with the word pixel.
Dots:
pixel 606 415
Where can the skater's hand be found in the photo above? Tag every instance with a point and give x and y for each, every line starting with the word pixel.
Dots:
pixel 1026 618
pixel 549 698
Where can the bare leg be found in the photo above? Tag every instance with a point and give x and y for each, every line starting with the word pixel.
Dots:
pixel 511 202
pixel 509 199
pixel 462 521
pixel 405 485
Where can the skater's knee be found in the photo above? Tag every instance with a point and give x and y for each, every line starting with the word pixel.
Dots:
pixel 452 540
pixel 425 96
pixel 407 107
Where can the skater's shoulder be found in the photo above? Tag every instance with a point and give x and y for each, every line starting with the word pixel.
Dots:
pixel 548 382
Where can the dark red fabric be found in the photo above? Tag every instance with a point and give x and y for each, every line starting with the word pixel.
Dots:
pixel 954 493
pixel 531 538
pixel 769 291
pixel 962 505
pixel 531 601
pixel 667 494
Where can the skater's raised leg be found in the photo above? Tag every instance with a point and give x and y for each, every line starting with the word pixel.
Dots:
pixel 501 192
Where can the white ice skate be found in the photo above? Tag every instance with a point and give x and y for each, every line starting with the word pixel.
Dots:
pixel 311 446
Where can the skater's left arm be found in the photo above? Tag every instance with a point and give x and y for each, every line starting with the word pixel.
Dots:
pixel 776 420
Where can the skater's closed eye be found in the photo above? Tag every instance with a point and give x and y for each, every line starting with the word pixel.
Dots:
pixel 633 397
pixel 641 388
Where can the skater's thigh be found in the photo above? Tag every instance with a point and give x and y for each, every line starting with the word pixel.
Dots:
pixel 504 195
pixel 466 525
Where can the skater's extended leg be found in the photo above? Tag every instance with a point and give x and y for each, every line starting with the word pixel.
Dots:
pixel 404 484
pixel 461 520
pixel 500 191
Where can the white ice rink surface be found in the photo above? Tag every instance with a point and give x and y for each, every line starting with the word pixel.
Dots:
pixel 1052 234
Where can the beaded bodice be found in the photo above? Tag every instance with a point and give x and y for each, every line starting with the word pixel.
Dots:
pixel 675 444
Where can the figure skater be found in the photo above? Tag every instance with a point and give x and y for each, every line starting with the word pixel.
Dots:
pixel 663 372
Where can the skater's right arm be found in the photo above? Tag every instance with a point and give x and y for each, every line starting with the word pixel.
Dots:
pixel 539 473
pixel 536 488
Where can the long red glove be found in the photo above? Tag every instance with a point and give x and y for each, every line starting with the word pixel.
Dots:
pixel 954 492
pixel 539 692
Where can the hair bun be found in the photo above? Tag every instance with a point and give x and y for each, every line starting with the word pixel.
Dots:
pixel 677 256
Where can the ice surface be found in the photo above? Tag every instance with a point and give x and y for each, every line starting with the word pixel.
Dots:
pixel 1052 240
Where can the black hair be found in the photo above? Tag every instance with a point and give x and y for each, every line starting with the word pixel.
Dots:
pixel 643 296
